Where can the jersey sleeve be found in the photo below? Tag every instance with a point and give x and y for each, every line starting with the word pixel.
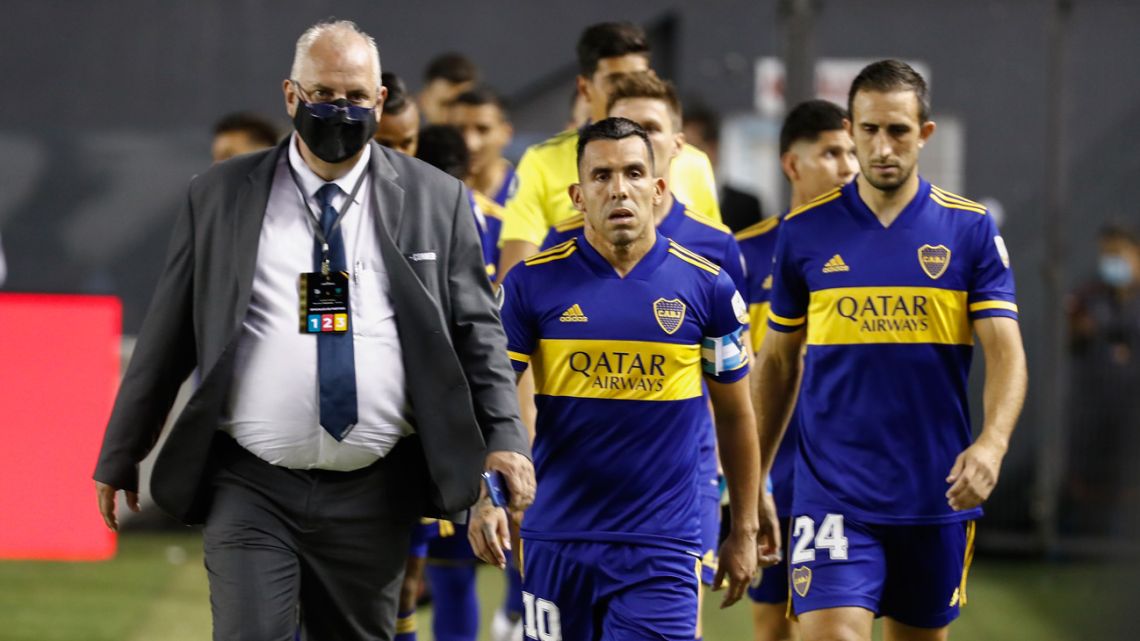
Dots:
pixel 723 356
pixel 788 303
pixel 518 320
pixel 991 287
pixel 523 217
pixel 757 273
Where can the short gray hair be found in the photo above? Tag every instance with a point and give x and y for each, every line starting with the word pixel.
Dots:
pixel 339 28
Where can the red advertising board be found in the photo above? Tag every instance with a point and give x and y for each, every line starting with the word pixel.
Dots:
pixel 59 369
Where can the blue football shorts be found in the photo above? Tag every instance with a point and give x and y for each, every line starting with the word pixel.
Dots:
pixel 914 574
pixel 593 591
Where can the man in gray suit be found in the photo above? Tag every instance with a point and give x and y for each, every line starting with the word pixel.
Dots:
pixel 354 372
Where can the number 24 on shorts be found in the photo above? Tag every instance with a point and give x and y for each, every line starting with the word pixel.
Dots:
pixel 829 537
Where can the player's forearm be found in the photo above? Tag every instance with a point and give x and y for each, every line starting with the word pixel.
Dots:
pixel 740 457
pixel 777 383
pixel 1006 381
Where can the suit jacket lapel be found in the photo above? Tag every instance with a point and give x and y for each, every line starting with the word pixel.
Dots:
pixel 388 192
pixel 248 215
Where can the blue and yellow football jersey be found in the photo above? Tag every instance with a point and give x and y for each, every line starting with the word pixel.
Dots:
pixel 889 310
pixel 489 222
pixel 618 366
pixel 758 246
pixel 702 236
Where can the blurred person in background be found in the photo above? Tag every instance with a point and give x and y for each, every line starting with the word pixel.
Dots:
pixel 242 133
pixel 547 169
pixel 480 115
pixel 1104 339
pixel 446 76
pixel 738 208
pixel 878 289
pixel 816 155
pixel 399 129
pixel 317 440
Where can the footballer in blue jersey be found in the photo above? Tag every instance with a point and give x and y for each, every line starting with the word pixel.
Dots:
pixel 886 281
pixel 654 105
pixel 621 326
pixel 712 241
pixel 816 155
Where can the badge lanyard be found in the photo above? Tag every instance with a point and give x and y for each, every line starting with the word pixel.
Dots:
pixel 314 219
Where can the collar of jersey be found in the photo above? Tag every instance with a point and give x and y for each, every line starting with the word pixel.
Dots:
pixel 867 218
pixel 672 218
pixel 643 270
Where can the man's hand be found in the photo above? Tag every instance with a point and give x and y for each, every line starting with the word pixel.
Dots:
pixel 974 475
pixel 768 538
pixel 738 563
pixel 488 533
pixel 106 495
pixel 519 472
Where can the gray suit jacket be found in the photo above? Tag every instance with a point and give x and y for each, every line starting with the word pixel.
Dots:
pixel 459 379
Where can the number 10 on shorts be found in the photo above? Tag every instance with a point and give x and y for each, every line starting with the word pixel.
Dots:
pixel 829 537
pixel 540 619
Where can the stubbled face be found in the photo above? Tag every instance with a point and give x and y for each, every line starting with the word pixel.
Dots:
pixel 437 95
pixel 597 87
pixel 234 143
pixel 617 192
pixel 484 129
pixel 888 136
pixel 818 167
pixel 401 131
pixel 659 122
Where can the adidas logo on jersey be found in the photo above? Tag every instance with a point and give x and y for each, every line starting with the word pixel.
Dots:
pixel 573 315
pixel 836 264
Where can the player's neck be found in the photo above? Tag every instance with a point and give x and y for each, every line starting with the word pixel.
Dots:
pixel 328 171
pixel 887 205
pixel 662 210
pixel 490 180
pixel 623 258
pixel 798 199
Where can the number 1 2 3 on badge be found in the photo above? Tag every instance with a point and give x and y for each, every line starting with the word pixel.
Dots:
pixel 323 302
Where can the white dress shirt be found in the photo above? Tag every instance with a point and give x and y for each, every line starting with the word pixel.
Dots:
pixel 273 407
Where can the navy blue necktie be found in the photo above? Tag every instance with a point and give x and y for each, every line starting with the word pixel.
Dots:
pixel 336 367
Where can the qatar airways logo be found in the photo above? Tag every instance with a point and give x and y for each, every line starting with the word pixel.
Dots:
pixel 614 370
pixel 886 312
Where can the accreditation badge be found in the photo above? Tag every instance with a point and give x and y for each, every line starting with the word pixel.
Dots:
pixel 323 302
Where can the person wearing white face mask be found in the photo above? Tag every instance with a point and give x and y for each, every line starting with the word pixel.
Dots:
pixel 1104 340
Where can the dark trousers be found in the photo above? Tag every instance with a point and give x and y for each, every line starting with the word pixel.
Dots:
pixel 328 547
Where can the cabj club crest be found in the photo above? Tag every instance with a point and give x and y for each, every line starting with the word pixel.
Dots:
pixel 669 314
pixel 801 580
pixel 934 259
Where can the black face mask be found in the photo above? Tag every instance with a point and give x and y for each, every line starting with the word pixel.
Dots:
pixel 334 131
